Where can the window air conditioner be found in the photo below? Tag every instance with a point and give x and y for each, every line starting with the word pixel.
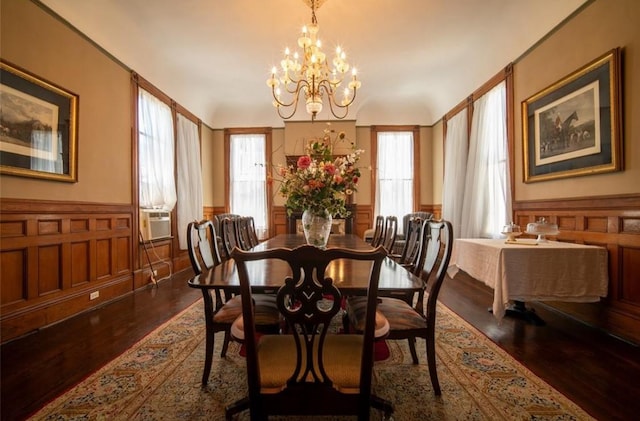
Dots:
pixel 154 224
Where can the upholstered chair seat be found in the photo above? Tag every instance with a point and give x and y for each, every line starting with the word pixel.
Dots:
pixel 392 314
pixel 277 359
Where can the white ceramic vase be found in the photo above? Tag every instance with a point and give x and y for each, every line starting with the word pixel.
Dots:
pixel 316 228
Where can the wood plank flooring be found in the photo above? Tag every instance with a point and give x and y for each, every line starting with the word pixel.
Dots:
pixel 598 372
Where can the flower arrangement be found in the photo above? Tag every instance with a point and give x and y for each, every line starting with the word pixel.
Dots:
pixel 319 180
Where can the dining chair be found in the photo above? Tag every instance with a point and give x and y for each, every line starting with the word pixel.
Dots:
pixel 412 244
pixel 242 233
pixel 410 322
pixel 378 231
pixel 253 235
pixel 226 313
pixel 229 235
pixel 311 370
pixel 390 232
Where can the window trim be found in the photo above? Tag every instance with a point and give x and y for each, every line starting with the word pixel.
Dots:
pixel 137 83
pixel 267 132
pixel 416 158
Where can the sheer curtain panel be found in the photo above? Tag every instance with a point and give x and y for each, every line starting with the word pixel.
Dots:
pixel 456 150
pixel 394 181
pixel 487 194
pixel 190 201
pixel 155 153
pixel 248 178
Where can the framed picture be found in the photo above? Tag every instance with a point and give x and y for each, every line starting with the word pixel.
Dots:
pixel 38 127
pixel 573 127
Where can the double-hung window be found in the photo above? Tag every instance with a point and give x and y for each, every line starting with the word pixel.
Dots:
pixel 155 153
pixel 247 170
pixel 396 179
pixel 477 181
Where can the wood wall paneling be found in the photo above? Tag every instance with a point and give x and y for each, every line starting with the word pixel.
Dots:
pixel 609 222
pixel 54 255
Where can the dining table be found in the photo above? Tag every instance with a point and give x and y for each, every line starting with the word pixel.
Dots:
pixel 529 270
pixel 350 276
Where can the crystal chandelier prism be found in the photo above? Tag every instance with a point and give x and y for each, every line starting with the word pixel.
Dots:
pixel 311 75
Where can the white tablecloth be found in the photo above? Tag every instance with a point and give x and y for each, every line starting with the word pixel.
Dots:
pixel 551 271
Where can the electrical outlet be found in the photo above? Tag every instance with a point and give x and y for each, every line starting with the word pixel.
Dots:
pixel 94 295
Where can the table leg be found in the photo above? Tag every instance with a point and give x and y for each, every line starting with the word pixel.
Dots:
pixel 520 311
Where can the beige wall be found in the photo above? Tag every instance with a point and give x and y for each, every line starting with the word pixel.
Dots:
pixel 40 44
pixel 32 39
pixel 600 27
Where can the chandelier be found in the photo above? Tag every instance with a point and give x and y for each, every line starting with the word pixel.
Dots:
pixel 311 75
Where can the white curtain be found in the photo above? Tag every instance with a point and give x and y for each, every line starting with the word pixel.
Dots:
pixel 456 149
pixel 487 194
pixel 190 199
pixel 394 181
pixel 248 179
pixel 155 153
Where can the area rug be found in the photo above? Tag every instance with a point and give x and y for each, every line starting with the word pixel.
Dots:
pixel 159 379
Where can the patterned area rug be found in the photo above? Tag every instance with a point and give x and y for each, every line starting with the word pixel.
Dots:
pixel 159 379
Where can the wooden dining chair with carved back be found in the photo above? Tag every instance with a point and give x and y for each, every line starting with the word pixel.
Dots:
pixel 412 244
pixel 229 235
pixel 225 312
pixel 378 231
pixel 312 370
pixel 390 233
pixel 407 321
pixel 242 233
pixel 253 234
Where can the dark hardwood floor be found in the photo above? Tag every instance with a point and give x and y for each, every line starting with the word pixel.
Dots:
pixel 598 372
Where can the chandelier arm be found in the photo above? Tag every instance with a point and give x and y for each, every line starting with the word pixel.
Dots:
pixel 333 103
pixel 295 97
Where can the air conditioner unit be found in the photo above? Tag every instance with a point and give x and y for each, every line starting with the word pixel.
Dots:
pixel 154 224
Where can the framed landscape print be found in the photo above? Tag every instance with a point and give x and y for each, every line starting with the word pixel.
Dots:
pixel 573 127
pixel 38 127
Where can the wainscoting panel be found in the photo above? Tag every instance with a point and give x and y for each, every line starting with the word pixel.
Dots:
pixel 60 258
pixel 609 222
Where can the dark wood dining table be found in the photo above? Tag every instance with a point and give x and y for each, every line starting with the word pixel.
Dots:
pixel 350 276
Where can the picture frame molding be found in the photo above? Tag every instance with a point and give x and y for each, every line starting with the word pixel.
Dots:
pixel 63 122
pixel 609 158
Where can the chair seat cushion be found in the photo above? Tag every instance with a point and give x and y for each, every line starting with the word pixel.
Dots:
pixel 399 314
pixel 266 311
pixel 342 356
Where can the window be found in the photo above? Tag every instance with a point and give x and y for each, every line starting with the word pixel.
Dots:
pixel 396 183
pixel 481 204
pixel 155 153
pixel 249 193
pixel 190 195
pixel 169 166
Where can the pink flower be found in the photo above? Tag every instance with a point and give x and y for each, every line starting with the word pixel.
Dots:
pixel 304 161
pixel 337 178
pixel 330 168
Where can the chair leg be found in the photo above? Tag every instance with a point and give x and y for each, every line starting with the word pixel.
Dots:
pixel 412 348
pixel 431 361
pixel 236 408
pixel 383 405
pixel 225 343
pixel 208 356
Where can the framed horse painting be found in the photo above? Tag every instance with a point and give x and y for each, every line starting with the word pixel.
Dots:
pixel 573 127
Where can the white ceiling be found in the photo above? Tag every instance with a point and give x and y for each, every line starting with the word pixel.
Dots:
pixel 416 58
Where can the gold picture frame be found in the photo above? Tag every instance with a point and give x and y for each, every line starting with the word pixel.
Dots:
pixel 573 127
pixel 38 127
